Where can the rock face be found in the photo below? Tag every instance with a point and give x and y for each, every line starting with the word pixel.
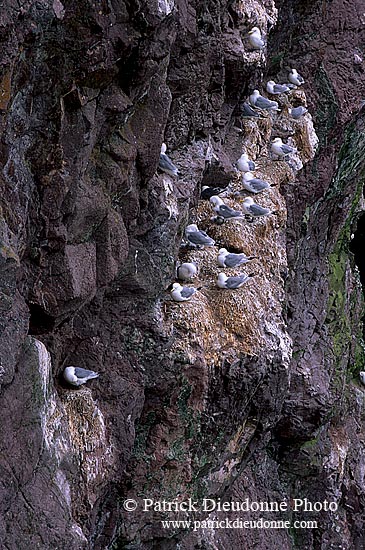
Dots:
pixel 247 394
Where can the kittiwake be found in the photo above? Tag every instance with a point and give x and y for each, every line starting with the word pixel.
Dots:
pixel 186 271
pixel 196 237
pixel 255 39
pixel 182 293
pixel 224 211
pixel 246 111
pixel 244 164
pixel 232 282
pixel 254 185
pixel 255 210
pixel 295 78
pixel 165 163
pixel 297 112
pixel 228 259
pixel 262 102
pixel 362 377
pixel 280 149
pixel 77 376
pixel 276 89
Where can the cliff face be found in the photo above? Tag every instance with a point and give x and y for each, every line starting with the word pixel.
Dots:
pixel 248 394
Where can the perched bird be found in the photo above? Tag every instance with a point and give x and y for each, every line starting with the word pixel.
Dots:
pixel 208 192
pixel 77 376
pixel 281 149
pixel 297 112
pixel 255 39
pixel 295 78
pixel 246 111
pixel 182 293
pixel 253 185
pixel 225 211
pixel 232 282
pixel 261 102
pixel 228 259
pixel 186 271
pixel 255 210
pixel 244 164
pixel 165 163
pixel 362 377
pixel 276 89
pixel 196 237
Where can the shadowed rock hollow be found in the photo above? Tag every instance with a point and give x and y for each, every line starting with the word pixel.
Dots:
pixel 240 394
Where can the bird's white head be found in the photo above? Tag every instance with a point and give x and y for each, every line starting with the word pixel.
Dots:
pixel 271 82
pixel 277 141
pixel 255 92
pixel 222 277
pixel 255 30
pixel 248 176
pixel 216 200
pixel 176 286
pixel 248 201
pixel 244 156
pixel 222 251
pixel 294 72
pixel 191 228
pixel 163 148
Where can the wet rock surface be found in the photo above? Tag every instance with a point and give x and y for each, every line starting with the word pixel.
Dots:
pixel 234 394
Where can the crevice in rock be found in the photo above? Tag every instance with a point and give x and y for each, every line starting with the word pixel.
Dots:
pixel 40 322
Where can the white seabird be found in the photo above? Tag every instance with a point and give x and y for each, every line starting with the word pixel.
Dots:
pixel 255 210
pixel 252 184
pixel 225 211
pixel 246 111
pixel 196 237
pixel 297 112
pixel 262 102
pixel 244 164
pixel 295 78
pixel 186 271
pixel 281 149
pixel 76 376
pixel 208 192
pixel 255 39
pixel 232 282
pixel 276 89
pixel 362 377
pixel 228 259
pixel 165 163
pixel 182 293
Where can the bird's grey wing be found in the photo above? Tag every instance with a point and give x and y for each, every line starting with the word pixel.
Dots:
pixel 84 373
pixel 187 291
pixel 246 110
pixel 298 111
pixel 257 210
pixel 258 184
pixel 167 164
pixel 287 149
pixel 235 282
pixel 263 103
pixel 279 88
pixel 199 238
pixel 227 212
pixel 300 78
pixel 251 165
pixel 234 260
